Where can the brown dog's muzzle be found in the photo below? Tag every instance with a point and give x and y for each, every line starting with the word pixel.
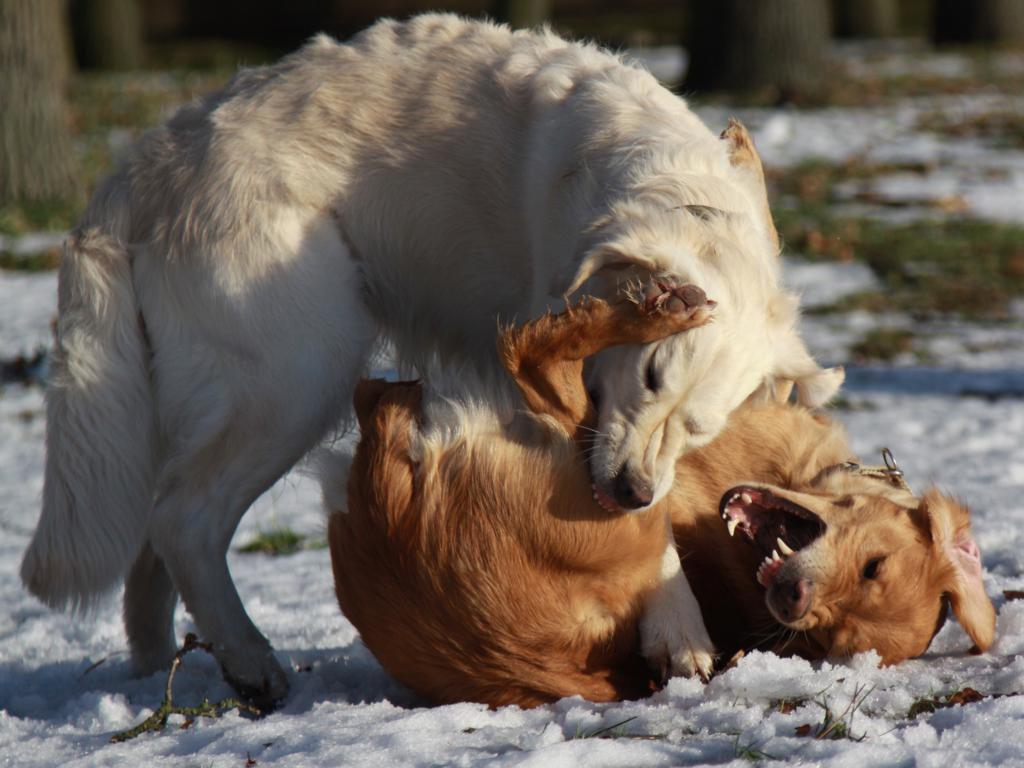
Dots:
pixel 777 529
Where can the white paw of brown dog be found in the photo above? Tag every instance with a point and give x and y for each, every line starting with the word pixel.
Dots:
pixel 673 637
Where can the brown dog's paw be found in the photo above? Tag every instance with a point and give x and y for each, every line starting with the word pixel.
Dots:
pixel 666 294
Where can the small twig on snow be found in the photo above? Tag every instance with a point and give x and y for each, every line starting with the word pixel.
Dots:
pixel 158 720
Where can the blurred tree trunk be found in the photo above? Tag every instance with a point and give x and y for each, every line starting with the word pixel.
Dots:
pixel 778 47
pixel 520 14
pixel 163 19
pixel 866 18
pixel 1000 21
pixel 985 21
pixel 951 21
pixel 108 33
pixel 36 161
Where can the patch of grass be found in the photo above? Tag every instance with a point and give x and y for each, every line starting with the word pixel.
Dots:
pixel 280 541
pixel 836 726
pixel 845 88
pixel 616 731
pixel 787 706
pixel 883 344
pixel 843 403
pixel 751 752
pixel 34 216
pixel 613 731
pixel 1000 127
pixel 970 268
pixel 136 100
pixel 44 261
pixel 925 706
pixel 955 266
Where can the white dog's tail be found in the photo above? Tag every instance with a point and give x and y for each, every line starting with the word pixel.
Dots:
pixel 100 432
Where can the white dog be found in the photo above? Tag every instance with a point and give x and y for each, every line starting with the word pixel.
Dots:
pixel 227 285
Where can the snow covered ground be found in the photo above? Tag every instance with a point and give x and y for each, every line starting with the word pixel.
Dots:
pixel 65 684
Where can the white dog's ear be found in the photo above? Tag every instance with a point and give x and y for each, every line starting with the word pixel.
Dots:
pixel 949 526
pixel 817 388
pixel 743 155
pixel 607 258
pixel 815 385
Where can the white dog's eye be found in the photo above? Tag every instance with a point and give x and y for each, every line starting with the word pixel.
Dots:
pixel 651 377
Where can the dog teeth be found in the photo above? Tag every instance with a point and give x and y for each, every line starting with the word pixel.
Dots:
pixel 745 498
pixel 770 564
pixel 732 526
pixel 784 547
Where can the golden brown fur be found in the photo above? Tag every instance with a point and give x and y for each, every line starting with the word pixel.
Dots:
pixel 790 451
pixel 486 572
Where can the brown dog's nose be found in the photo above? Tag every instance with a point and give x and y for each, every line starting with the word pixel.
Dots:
pixel 791 598
pixel 631 493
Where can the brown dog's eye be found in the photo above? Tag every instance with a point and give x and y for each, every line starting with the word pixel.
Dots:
pixel 871 569
pixel 651 377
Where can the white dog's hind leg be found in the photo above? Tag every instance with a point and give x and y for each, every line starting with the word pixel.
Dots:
pixel 149 600
pixel 672 632
pixel 248 380
pixel 192 529
pixel 204 494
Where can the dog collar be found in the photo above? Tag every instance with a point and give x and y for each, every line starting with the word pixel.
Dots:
pixel 889 471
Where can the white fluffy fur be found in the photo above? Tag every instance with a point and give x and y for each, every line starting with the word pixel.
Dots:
pixel 420 183
pixel 672 631
pixel 100 430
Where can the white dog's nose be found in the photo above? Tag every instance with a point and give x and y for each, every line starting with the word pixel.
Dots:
pixel 630 491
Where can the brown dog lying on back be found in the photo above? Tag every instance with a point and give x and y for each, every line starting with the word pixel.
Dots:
pixel 476 565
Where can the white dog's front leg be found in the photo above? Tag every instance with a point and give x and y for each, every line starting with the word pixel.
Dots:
pixel 672 632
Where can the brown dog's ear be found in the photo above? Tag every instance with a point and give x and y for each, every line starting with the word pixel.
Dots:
pixel 949 525
pixel 368 393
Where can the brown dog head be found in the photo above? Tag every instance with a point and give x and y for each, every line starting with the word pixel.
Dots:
pixel 859 564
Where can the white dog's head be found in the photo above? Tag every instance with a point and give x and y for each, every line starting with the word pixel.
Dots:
pixel 658 401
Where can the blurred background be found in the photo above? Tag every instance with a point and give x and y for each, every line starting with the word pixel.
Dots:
pixel 892 132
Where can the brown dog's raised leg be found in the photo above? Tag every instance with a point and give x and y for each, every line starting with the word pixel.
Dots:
pixel 545 357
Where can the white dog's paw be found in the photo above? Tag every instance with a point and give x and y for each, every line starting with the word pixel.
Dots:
pixel 255 675
pixel 675 642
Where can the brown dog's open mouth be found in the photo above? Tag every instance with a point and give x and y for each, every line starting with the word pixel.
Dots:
pixel 777 527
